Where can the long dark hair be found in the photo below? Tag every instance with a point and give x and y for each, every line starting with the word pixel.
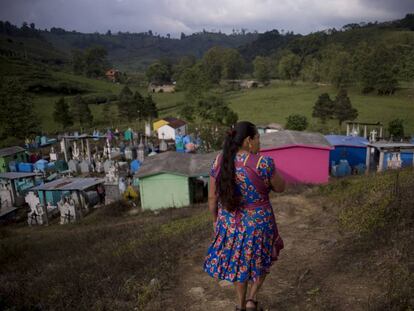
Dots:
pixel 226 180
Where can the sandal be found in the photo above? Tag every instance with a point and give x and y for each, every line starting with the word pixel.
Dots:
pixel 256 305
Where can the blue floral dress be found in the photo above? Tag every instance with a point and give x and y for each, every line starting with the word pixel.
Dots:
pixel 246 241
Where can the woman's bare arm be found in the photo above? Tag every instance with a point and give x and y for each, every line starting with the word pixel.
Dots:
pixel 212 198
pixel 278 183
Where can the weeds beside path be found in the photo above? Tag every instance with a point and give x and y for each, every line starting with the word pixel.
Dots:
pixel 319 269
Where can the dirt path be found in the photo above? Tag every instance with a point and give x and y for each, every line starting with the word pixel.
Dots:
pixel 311 273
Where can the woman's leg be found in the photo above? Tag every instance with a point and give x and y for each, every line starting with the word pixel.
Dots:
pixel 254 288
pixel 241 290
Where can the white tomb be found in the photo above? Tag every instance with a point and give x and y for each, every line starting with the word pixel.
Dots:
pixel 36 216
pixel 85 167
pixel 67 210
pixel 73 166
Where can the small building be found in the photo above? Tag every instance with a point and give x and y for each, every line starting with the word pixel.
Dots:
pixel 168 128
pixel 384 155
pixel 300 157
pixel 112 75
pixel 161 88
pixel 10 154
pixel 350 148
pixel 172 179
pixel 13 188
pixel 84 191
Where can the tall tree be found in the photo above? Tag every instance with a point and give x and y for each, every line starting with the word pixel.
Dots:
pixel 323 108
pixel 95 61
pixel 212 63
pixel 17 117
pixel 289 67
pixel 233 64
pixel 62 114
pixel 78 62
pixel 139 103
pixel 126 104
pixel 81 112
pixel 194 82
pixel 150 107
pixel 158 72
pixel 262 69
pixel 343 109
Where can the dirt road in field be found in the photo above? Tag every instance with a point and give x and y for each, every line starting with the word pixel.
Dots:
pixel 313 271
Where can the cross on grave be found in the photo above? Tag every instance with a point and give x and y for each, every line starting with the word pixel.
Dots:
pixel 373 136
pixel 75 151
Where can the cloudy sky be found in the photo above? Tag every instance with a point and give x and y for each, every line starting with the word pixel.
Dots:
pixel 176 16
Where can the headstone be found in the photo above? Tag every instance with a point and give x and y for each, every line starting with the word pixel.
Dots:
pixel 129 153
pixel 99 168
pixel 394 160
pixel 5 196
pixel 53 155
pixel 107 165
pixel 75 151
pixel 67 210
pixel 163 145
pixel 112 193
pixel 36 215
pixel 148 132
pixel 122 185
pixel 115 152
pixel 373 136
pixel 85 167
pixel 73 166
pixel 43 140
pixel 112 175
pixel 141 152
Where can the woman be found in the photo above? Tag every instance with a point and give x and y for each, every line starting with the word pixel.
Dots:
pixel 246 238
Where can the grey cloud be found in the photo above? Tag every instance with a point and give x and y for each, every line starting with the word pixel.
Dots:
pixel 174 16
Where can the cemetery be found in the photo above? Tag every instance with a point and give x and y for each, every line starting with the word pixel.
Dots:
pixel 69 174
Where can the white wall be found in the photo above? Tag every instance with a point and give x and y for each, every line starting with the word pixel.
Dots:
pixel 169 132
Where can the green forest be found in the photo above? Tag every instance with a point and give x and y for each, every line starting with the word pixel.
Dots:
pixel 361 72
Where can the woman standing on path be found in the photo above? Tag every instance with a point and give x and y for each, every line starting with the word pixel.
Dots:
pixel 246 240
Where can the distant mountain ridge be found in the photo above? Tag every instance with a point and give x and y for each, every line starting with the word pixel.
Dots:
pixel 133 52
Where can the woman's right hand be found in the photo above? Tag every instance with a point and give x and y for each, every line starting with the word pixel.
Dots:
pixel 278 183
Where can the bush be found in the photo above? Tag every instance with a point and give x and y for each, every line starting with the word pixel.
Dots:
pixel 396 128
pixel 296 122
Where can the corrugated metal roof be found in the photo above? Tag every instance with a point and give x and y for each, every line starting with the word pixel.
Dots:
pixel 172 162
pixel 70 184
pixel 287 138
pixel 391 145
pixel 352 141
pixel 10 151
pixel 16 175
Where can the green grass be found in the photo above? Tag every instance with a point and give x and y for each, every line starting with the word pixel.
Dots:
pixel 261 106
pixel 105 262
pixel 276 102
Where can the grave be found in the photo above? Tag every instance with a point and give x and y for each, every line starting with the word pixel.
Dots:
pixel 73 166
pixel 85 167
pixel 67 210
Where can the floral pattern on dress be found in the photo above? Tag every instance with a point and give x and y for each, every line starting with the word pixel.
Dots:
pixel 244 239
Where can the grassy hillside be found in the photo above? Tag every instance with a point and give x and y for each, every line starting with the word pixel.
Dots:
pixel 113 260
pixel 118 260
pixel 261 106
pixel 280 99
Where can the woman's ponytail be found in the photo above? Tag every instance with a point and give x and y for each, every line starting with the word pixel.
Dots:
pixel 226 181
